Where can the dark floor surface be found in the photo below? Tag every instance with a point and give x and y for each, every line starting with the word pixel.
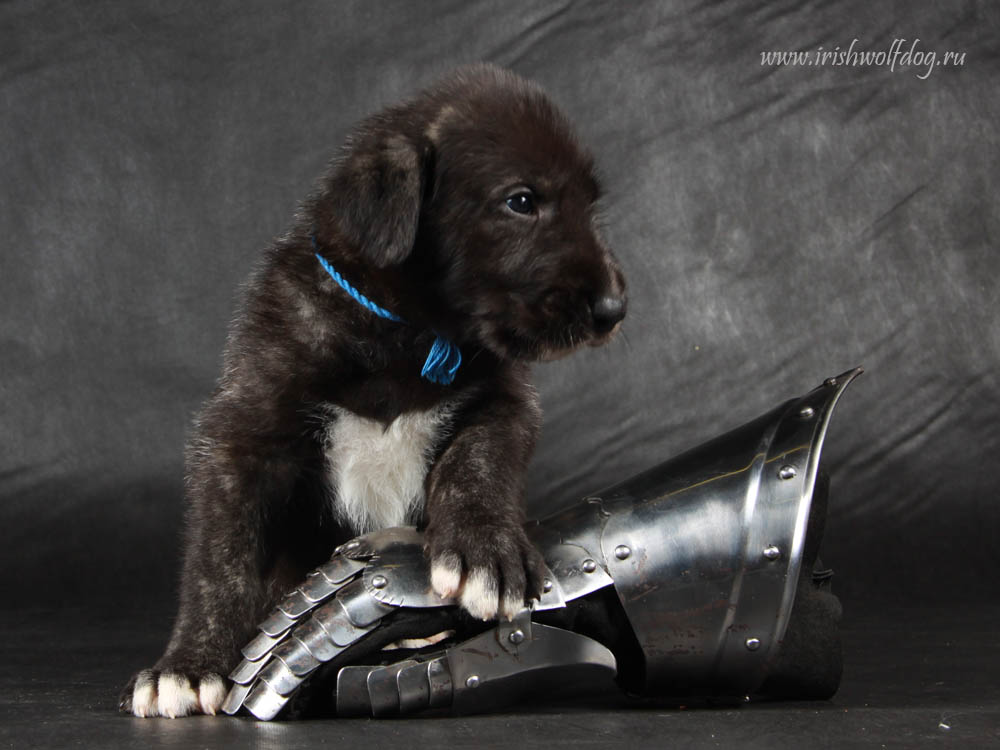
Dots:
pixel 912 678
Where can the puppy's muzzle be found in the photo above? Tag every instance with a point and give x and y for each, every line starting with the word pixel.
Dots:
pixel 607 311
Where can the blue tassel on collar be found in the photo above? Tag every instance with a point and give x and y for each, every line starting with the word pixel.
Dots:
pixel 444 358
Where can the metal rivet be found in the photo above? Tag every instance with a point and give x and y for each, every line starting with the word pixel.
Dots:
pixel 772 553
pixel 622 552
pixel 786 472
pixel 807 412
pixel 753 644
pixel 379 582
pixel 516 637
pixel 473 681
pixel 546 586
pixel 830 382
pixel 589 566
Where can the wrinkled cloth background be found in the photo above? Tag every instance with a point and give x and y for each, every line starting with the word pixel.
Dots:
pixel 777 225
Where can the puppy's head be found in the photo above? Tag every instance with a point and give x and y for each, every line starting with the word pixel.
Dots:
pixel 479 194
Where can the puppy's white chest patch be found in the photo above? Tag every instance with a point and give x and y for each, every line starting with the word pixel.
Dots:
pixel 377 472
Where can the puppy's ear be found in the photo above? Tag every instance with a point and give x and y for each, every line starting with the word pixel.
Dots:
pixel 376 194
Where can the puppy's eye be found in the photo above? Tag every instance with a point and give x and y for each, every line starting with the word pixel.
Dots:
pixel 522 202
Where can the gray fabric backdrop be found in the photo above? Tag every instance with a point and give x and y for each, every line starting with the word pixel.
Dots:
pixel 777 225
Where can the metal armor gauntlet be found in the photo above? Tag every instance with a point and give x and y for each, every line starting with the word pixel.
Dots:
pixel 698 578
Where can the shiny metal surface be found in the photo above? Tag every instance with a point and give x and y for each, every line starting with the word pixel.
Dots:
pixel 263 702
pixel 486 675
pixel 279 677
pixel 696 580
pixel 296 657
pixel 277 660
pixel 569 566
pixel 295 604
pixel 383 688
pixel 247 670
pixel 352 691
pixel 553 595
pixel 318 587
pixel 261 645
pixel 361 607
pixel 402 688
pixel 439 682
pixel 486 667
pixel 335 621
pixel 511 634
pixel 234 700
pixel 413 688
pixel 347 548
pixel 340 569
pixel 398 573
pixel 703 552
pixel 379 542
pixel 579 525
pixel 277 623
pixel 316 640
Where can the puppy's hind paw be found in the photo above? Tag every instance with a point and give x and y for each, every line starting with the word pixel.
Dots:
pixel 173 694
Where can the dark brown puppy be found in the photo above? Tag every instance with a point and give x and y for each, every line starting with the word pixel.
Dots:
pixel 467 213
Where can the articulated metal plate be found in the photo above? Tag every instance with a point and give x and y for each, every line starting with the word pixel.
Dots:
pixel 373 544
pixel 338 570
pixel 277 676
pixel 487 673
pixel 484 672
pixel 277 623
pixel 383 689
pixel 399 574
pixel 703 551
pixel 361 607
pixel 317 640
pixel 247 670
pixel 296 656
pixel 263 702
pixel 234 700
pixel 352 691
pixel 413 688
pixel 337 605
pixel 313 624
pixel 576 571
pixel 261 645
pixel 333 618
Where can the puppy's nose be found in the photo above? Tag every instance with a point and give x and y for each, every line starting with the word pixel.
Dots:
pixel 607 311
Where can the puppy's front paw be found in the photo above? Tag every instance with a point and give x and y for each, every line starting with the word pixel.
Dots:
pixel 492 570
pixel 153 692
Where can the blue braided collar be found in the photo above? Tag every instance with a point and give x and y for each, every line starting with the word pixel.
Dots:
pixel 444 358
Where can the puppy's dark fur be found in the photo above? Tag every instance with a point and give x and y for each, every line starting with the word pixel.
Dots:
pixel 424 213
